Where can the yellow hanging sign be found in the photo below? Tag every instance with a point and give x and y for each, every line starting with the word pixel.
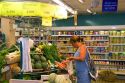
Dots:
pixel 47 21
pixel 11 9
pixel 0 9
pixel 60 12
pixel 47 10
pixel 32 9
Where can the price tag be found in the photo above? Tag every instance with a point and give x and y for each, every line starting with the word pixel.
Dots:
pixel 47 21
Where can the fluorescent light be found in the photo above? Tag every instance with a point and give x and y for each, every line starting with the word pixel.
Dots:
pixel 81 1
pixel 89 11
pixel 59 2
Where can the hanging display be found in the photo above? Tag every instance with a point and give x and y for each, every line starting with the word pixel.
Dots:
pixel 32 9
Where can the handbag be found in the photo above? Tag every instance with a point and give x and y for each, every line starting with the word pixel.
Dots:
pixel 93 72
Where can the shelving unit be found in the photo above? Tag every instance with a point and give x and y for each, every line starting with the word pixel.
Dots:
pixel 35 34
pixel 106 47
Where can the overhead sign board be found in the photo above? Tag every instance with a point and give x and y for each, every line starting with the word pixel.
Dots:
pixel 109 5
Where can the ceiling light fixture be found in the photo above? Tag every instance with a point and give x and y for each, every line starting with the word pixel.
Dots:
pixel 89 11
pixel 59 2
pixel 81 1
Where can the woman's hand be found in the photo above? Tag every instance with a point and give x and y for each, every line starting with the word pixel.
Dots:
pixel 71 58
pixel 60 65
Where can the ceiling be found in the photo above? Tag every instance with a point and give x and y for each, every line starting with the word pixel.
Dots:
pixel 82 7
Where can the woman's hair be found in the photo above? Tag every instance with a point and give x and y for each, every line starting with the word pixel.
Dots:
pixel 75 39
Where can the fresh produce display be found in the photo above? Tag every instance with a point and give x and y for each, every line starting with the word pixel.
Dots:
pixel 3 52
pixel 39 61
pixel 54 78
pixel 44 55
pixel 51 53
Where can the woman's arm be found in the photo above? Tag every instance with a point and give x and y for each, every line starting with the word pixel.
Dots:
pixel 82 55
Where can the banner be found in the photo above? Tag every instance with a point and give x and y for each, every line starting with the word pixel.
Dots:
pixel 0 10
pixel 60 13
pixel 11 9
pixel 47 21
pixel 32 9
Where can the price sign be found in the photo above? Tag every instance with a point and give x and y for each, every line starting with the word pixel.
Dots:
pixel 109 5
pixel 11 9
pixel 47 21
pixel 31 9
pixel 60 13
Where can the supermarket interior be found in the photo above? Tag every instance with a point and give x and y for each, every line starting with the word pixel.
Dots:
pixel 62 41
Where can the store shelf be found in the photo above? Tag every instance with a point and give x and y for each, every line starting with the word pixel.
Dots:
pixel 118 52
pixel 93 35
pixel 98 53
pixel 97 46
pixel 96 40
pixel 109 60
pixel 67 52
pixel 58 40
pixel 118 44
pixel 62 35
pixel 116 36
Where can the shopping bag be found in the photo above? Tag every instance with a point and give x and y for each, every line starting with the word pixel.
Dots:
pixel 91 67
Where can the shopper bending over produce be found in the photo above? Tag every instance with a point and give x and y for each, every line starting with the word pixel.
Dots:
pixel 79 58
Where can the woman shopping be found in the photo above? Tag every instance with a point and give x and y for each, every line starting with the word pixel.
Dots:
pixel 79 58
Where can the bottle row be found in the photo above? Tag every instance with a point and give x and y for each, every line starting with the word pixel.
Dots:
pixel 117 40
pixel 96 38
pixel 117 33
pixel 116 56
pixel 88 32
pixel 98 50
pixel 98 56
pixel 110 56
pixel 117 48
pixel 97 43
pixel 115 63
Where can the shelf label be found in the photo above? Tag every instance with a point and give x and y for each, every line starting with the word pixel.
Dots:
pixel 109 5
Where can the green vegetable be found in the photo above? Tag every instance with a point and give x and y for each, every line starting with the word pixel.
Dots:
pixel 43 59
pixel 27 77
pixel 44 65
pixel 38 65
pixel 36 57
